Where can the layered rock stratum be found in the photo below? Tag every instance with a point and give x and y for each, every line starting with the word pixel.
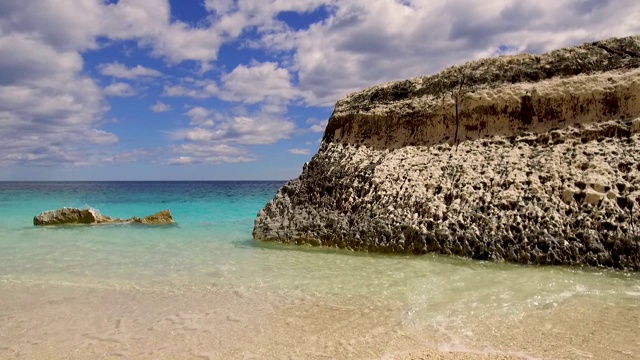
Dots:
pixel 529 158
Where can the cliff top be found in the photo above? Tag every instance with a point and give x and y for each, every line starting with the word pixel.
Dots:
pixel 590 58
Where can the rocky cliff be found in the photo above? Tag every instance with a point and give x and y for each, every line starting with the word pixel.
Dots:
pixel 530 159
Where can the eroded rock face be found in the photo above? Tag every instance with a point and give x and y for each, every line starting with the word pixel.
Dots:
pixel 68 216
pixel 539 164
pixel 71 216
pixel 160 218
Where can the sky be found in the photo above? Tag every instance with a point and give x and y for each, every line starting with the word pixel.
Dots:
pixel 235 89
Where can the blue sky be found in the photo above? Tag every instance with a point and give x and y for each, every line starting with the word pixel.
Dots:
pixel 229 90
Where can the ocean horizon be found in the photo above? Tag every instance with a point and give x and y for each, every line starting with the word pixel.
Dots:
pixel 204 288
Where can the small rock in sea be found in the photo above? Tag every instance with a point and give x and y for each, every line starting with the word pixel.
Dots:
pixel 68 216
pixel 71 216
pixel 160 218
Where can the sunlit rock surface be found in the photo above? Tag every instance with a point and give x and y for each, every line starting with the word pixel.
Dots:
pixel 529 159
pixel 70 216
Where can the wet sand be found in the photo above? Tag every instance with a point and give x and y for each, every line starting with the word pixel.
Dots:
pixel 40 320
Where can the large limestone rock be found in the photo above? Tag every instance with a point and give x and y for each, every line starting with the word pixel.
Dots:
pixel 71 216
pixel 530 159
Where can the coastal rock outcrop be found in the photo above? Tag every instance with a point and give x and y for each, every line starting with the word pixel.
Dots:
pixel 159 218
pixel 70 216
pixel 531 159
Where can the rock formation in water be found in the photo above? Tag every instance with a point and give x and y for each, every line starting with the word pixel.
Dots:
pixel 529 159
pixel 70 216
pixel 159 218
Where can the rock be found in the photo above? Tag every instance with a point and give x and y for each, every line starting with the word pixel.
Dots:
pixel 499 158
pixel 567 195
pixel 163 217
pixel 635 126
pixel 68 216
pixel 71 216
pixel 593 197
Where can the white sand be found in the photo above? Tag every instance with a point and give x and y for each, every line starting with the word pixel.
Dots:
pixel 49 321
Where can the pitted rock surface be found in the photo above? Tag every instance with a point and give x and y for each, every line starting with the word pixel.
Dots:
pixel 529 159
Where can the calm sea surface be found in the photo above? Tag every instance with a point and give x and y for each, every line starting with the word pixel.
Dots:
pixel 344 302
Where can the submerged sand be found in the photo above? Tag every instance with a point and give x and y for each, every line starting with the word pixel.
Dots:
pixel 49 320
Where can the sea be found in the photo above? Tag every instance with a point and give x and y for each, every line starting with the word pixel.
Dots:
pixel 204 289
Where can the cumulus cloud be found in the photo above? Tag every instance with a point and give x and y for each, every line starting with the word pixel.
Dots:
pixel 205 153
pixel 181 160
pixel 199 89
pixel 159 107
pixel 232 17
pixel 299 151
pixel 202 117
pixel 258 82
pixel 317 125
pixel 118 70
pixel 150 23
pixel 129 156
pixel 49 108
pixel 49 111
pixel 265 83
pixel 52 110
pixel 245 130
pixel 119 89
pixel 215 137
pixel 363 42
pixel 55 23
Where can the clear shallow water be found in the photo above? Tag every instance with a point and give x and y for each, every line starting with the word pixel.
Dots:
pixel 212 247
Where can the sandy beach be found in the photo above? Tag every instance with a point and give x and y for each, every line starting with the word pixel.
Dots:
pixel 74 321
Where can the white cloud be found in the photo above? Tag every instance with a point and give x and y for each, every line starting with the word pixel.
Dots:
pixel 225 140
pixel 95 136
pixel 202 89
pixel 119 89
pixel 24 58
pixel 206 153
pixel 118 70
pixel 257 83
pixel 150 23
pixel 55 23
pixel 317 125
pixel 258 130
pixel 299 151
pixel 181 160
pixel 201 116
pixel 235 16
pixel 159 107
pixel 49 111
pixel 366 42
pixel 130 156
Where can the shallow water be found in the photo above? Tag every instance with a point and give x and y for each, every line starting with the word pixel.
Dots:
pixel 205 288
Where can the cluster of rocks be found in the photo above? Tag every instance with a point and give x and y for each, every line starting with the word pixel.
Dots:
pixel 70 216
pixel 560 187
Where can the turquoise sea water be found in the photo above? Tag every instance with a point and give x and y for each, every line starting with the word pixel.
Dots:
pixel 211 245
pixel 212 218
